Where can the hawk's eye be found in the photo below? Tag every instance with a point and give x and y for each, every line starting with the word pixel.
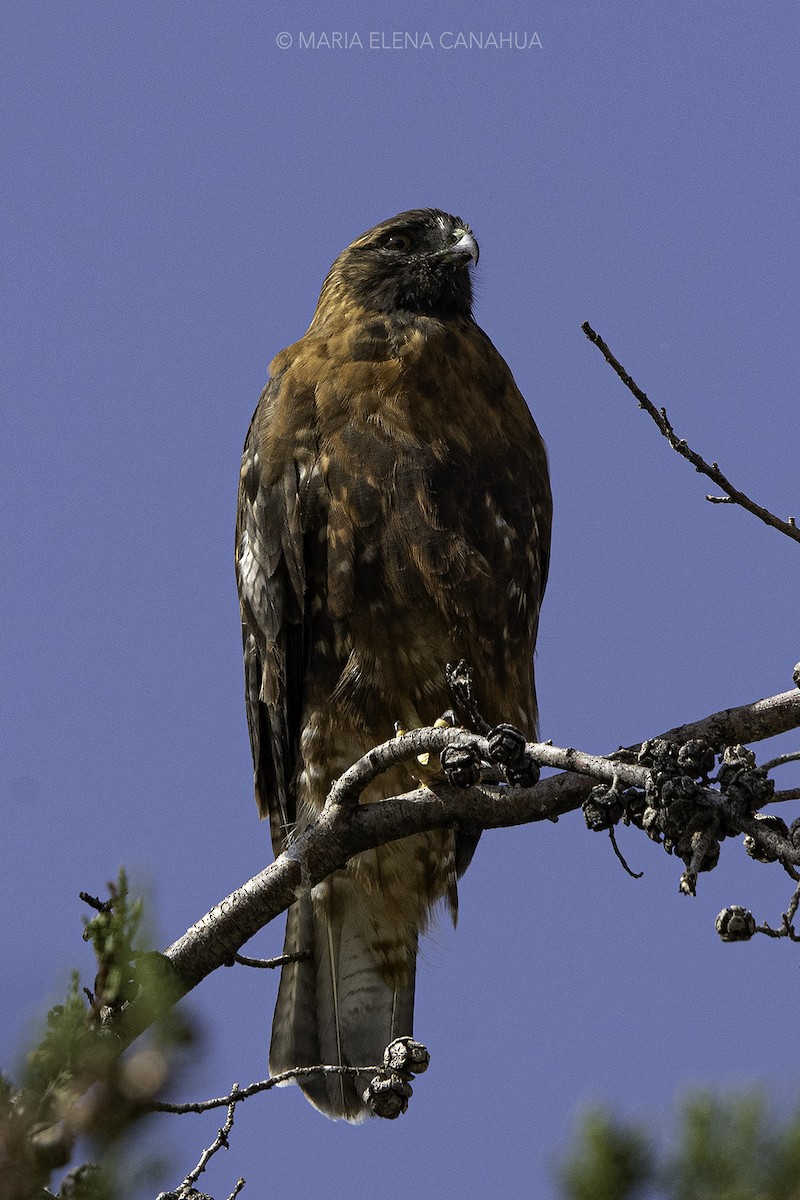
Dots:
pixel 396 241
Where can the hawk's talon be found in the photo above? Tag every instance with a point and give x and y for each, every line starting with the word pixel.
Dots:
pixel 448 720
pixel 459 680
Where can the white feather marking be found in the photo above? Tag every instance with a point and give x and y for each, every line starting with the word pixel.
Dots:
pixel 248 571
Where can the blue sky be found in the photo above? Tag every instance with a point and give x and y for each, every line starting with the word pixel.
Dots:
pixel 177 185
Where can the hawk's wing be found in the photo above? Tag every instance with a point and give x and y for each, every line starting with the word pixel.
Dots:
pixel 271 579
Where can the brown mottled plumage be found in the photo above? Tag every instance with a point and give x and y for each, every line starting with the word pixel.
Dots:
pixel 394 516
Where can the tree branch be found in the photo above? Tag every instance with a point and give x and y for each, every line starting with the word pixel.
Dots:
pixel 781 759
pixel 342 831
pixel 280 960
pixel 711 470
pixel 237 1094
pixel 187 1189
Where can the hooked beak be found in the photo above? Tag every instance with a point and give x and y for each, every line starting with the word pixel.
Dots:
pixel 462 250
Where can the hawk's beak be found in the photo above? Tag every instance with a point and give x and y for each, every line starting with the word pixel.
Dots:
pixel 464 249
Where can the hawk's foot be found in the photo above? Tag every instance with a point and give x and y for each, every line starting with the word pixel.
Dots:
pixel 459 680
pixel 446 721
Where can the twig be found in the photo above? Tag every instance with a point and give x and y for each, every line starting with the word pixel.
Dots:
pixel 794 756
pixel 237 1094
pixel 620 856
pixel 748 723
pixel 767 929
pixel 793 906
pixel 279 961
pixel 220 1143
pixel 787 927
pixel 711 470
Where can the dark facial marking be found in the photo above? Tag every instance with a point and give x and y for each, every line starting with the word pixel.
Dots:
pixel 405 265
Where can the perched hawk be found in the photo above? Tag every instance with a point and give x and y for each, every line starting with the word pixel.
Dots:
pixel 394 516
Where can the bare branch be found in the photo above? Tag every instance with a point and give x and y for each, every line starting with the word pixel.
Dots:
pixel 711 470
pixel 748 723
pixel 280 960
pixel 186 1190
pixel 237 1094
pixel 347 789
pixel 621 856
pixel 794 756
pixel 220 1143
pixel 787 922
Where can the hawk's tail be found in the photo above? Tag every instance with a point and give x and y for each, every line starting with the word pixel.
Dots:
pixel 336 1008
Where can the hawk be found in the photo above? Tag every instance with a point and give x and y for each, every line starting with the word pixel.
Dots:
pixel 394 516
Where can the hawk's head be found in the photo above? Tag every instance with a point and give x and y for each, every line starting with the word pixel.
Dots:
pixel 415 262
